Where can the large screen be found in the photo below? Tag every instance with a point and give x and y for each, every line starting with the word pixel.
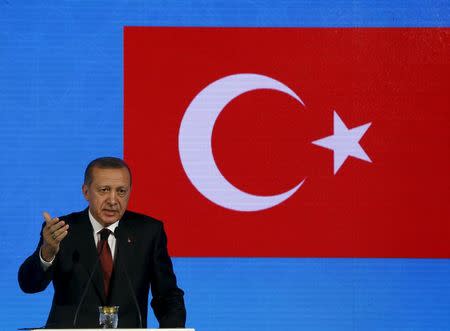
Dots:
pixel 297 152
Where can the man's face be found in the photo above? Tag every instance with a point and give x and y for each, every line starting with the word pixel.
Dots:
pixel 108 194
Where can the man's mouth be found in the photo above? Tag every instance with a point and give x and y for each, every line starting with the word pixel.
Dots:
pixel 110 211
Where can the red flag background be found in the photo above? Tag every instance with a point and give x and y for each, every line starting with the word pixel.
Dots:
pixel 397 79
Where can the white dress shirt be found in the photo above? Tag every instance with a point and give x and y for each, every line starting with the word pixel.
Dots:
pixel 96 233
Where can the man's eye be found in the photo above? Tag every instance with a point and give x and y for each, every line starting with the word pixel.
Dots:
pixel 122 192
pixel 104 189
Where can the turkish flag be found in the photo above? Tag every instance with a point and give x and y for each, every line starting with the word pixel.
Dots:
pixel 358 117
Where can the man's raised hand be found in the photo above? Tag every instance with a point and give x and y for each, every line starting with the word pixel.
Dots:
pixel 53 233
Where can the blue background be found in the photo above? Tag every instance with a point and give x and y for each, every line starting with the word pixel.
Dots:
pixel 61 105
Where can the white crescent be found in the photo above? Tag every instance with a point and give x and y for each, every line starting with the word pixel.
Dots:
pixel 195 148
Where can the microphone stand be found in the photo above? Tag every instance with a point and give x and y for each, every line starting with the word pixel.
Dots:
pixel 133 294
pixel 83 296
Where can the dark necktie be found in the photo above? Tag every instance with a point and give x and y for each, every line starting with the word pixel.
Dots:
pixel 105 258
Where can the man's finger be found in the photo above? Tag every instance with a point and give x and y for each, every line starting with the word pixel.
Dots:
pixel 47 216
pixel 49 220
pixel 56 226
pixel 60 237
pixel 58 232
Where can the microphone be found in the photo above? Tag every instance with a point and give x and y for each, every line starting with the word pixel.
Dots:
pixel 103 236
pixel 118 234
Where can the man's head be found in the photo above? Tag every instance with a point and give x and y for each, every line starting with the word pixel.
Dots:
pixel 107 187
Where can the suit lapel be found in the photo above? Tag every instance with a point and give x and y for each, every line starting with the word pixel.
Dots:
pixel 123 255
pixel 88 255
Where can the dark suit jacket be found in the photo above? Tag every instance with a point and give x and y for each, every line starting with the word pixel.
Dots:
pixel 141 248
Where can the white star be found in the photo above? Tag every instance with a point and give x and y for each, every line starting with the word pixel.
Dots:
pixel 344 142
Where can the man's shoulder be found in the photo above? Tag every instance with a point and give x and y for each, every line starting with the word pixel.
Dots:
pixel 137 218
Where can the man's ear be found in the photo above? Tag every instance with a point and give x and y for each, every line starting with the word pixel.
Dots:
pixel 85 191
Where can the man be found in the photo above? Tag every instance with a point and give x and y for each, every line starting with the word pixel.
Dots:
pixel 132 257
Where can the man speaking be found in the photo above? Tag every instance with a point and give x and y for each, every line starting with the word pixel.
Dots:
pixel 105 256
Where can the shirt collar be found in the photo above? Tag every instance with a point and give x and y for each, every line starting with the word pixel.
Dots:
pixel 98 227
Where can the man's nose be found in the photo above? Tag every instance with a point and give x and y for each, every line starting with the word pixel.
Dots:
pixel 112 197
